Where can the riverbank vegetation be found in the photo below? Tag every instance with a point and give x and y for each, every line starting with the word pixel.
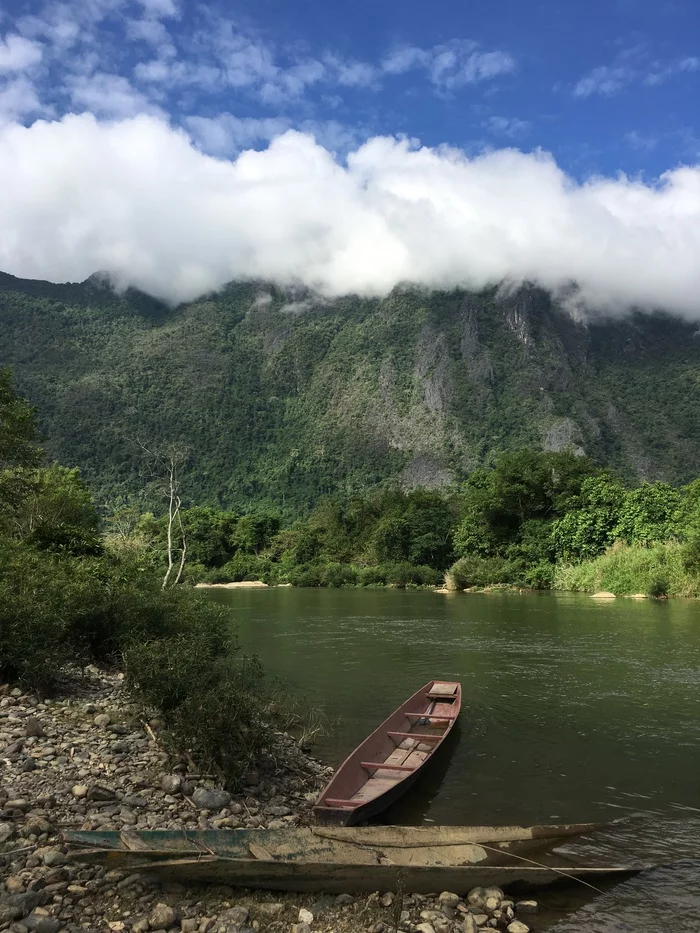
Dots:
pixel 68 599
pixel 531 520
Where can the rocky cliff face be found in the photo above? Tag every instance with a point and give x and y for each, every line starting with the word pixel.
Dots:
pixel 282 398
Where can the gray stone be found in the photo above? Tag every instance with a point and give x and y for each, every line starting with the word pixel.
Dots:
pixel 469 924
pixel 26 902
pixel 7 832
pixel 53 858
pixel 305 916
pixel 425 928
pixel 207 799
pixel 102 720
pixel 517 927
pixel 171 783
pixel 134 801
pixel 387 899
pixel 234 915
pixel 527 907
pixel 29 764
pixel 448 899
pixel 40 923
pixel 343 900
pixel 162 917
pixel 476 897
pixel 80 790
pixel 98 792
pixel 32 727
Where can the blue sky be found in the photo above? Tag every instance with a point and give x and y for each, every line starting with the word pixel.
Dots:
pixel 605 86
pixel 353 147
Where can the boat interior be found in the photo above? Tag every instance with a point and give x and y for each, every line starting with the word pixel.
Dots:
pixel 402 750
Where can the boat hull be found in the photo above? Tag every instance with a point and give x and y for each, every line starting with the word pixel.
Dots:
pixel 338 859
pixel 364 785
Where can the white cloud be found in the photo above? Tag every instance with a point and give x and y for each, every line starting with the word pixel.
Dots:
pixel 451 65
pixel 18 99
pixel 18 53
pixel 661 72
pixel 405 59
pixel 632 66
pixel 108 95
pixel 160 8
pixel 138 199
pixel 606 81
pixel 350 72
pixel 226 134
pixel 507 126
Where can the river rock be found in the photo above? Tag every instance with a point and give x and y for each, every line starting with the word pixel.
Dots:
pixel 305 916
pixel 80 790
pixel 425 928
pixel 102 720
pixel 527 907
pixel 41 923
pixel 207 799
pixel 32 727
pixel 387 899
pixel 448 899
pixel 162 917
pixel 171 783
pixel 100 793
pixel 517 927
pixel 476 897
pixel 469 924
pixel 603 594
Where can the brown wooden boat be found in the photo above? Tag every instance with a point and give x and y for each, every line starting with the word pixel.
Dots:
pixel 385 765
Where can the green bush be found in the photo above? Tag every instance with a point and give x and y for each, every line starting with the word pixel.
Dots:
pixel 657 570
pixel 482 571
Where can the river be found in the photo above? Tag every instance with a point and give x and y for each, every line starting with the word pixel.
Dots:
pixel 573 709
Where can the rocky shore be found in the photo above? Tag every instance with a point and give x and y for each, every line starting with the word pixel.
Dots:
pixel 92 759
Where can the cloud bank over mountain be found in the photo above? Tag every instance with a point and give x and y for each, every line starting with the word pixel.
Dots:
pixel 138 198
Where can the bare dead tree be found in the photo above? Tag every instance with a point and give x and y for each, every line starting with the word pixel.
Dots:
pixel 167 466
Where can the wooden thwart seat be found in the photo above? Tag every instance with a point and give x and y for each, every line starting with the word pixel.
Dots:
pixel 368 765
pixel 429 716
pixel 418 736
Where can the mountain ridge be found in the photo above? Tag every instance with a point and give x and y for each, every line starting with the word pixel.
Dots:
pixel 283 398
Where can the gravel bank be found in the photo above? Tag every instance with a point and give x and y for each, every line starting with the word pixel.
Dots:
pixel 94 760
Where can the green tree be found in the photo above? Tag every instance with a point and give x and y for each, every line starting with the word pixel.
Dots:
pixel 649 513
pixel 589 528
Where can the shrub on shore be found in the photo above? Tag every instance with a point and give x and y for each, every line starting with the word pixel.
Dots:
pixel 624 569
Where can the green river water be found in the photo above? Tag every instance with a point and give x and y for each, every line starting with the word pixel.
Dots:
pixel 573 710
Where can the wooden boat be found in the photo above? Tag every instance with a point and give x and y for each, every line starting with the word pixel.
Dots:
pixel 385 765
pixel 342 859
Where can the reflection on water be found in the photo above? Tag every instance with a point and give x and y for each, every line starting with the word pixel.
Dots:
pixel 573 710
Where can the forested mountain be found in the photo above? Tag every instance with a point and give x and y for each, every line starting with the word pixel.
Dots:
pixel 282 397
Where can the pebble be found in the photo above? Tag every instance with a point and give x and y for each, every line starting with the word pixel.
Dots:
pixel 162 917
pixel 527 907
pixel 208 799
pixel 517 927
pixel 305 916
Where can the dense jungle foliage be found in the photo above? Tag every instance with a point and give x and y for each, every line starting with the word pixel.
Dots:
pixel 534 519
pixel 284 399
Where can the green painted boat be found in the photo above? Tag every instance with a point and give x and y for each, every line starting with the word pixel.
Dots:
pixel 344 859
